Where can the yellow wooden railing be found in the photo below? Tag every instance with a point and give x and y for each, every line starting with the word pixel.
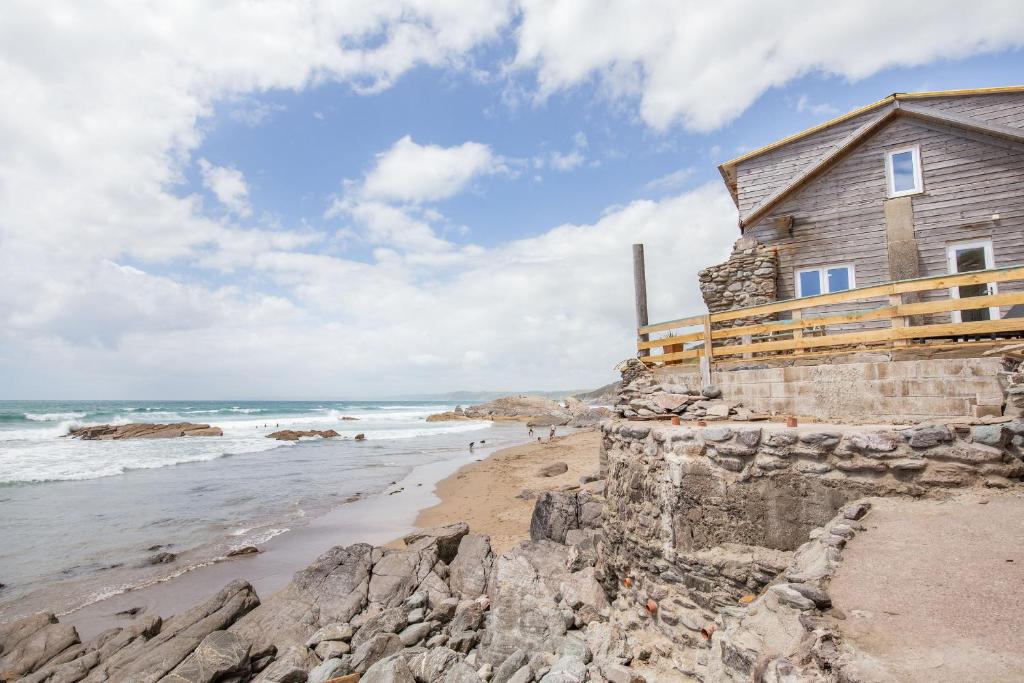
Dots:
pixel 798 332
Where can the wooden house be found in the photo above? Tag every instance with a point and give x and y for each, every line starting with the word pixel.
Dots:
pixel 873 224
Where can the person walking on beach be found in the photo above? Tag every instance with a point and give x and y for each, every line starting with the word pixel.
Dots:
pixel 551 434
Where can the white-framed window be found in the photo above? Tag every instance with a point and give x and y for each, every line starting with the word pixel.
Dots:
pixel 824 280
pixel 903 171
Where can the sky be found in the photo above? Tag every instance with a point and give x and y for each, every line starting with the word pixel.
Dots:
pixel 269 199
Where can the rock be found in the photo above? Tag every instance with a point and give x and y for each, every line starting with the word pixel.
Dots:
pixel 180 635
pixel 568 669
pixel 335 631
pixel 291 667
pixel 360 437
pixel 462 673
pixel 431 665
pixel 553 470
pixel 332 649
pixel 332 590
pixel 328 670
pixel 788 595
pixel 584 594
pixel 244 550
pixel 139 430
pixel 524 612
pixel 589 417
pixel 873 442
pixel 927 436
pixel 716 434
pixel 294 435
pixel 31 643
pixel 533 408
pixel 390 670
pixel 554 513
pixel 719 410
pixel 447 416
pixel 508 668
pixel 390 620
pixel 220 655
pixel 398 573
pixel 447 538
pixel 991 435
pixel 711 392
pixel 413 634
pixel 523 675
pixel 160 558
pixel 373 650
pixel 469 571
pixel 463 641
pixel 616 673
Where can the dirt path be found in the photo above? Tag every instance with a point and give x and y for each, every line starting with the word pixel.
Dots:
pixel 484 493
pixel 935 588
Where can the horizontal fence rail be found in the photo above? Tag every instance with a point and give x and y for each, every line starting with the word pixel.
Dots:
pixel 883 318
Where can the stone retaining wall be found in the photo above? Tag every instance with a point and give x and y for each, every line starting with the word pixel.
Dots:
pixel 698 520
pixel 874 389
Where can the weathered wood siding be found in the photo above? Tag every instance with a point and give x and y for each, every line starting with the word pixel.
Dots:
pixel 762 176
pixel 839 217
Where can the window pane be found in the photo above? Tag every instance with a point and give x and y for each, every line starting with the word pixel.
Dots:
pixel 838 279
pixel 970 258
pixel 903 171
pixel 810 283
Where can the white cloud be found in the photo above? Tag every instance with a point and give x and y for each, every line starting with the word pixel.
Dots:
pixel 671 182
pixel 701 65
pixel 228 185
pixel 120 276
pixel 804 104
pixel 411 172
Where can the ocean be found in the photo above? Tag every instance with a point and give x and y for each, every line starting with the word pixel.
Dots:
pixel 82 519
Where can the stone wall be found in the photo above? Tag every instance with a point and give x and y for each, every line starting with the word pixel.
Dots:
pixel 748 278
pixel 869 387
pixel 699 521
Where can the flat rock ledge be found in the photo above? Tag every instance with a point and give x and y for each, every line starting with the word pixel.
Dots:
pixel 295 435
pixel 142 430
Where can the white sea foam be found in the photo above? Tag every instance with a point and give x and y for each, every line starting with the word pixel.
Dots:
pixel 53 417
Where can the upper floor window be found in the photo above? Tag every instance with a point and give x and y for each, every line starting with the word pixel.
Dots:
pixel 903 170
pixel 825 280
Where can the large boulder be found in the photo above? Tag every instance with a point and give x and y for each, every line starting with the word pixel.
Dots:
pixel 331 590
pixel 150 660
pixel 523 589
pixel 447 538
pixel 220 655
pixel 554 514
pixel 535 409
pixel 29 648
pixel 468 572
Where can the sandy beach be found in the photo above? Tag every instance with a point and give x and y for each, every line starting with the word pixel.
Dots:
pixel 485 494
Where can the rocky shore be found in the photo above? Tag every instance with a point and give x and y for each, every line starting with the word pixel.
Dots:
pixel 140 430
pixel 535 411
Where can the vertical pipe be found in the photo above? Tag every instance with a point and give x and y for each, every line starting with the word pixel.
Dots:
pixel 640 291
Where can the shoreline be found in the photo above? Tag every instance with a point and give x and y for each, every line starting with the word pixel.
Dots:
pixel 480 488
pixel 374 518
pixel 486 494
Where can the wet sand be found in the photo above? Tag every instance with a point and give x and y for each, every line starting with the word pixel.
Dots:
pixel 485 494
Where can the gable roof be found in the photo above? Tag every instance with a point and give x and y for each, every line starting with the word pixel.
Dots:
pixel 897 104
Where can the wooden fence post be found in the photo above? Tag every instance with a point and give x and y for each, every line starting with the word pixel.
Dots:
pixel 640 291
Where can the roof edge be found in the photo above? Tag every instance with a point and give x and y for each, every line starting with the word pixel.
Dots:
pixel 726 167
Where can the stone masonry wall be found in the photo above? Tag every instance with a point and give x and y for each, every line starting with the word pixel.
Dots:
pixel 748 278
pixel 700 520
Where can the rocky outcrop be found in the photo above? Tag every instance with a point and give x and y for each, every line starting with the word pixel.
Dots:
pixel 293 435
pixel 143 431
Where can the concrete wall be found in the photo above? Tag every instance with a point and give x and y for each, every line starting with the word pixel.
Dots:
pixel 873 390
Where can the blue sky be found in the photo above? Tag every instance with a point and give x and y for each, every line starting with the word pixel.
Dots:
pixel 343 200
pixel 304 143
